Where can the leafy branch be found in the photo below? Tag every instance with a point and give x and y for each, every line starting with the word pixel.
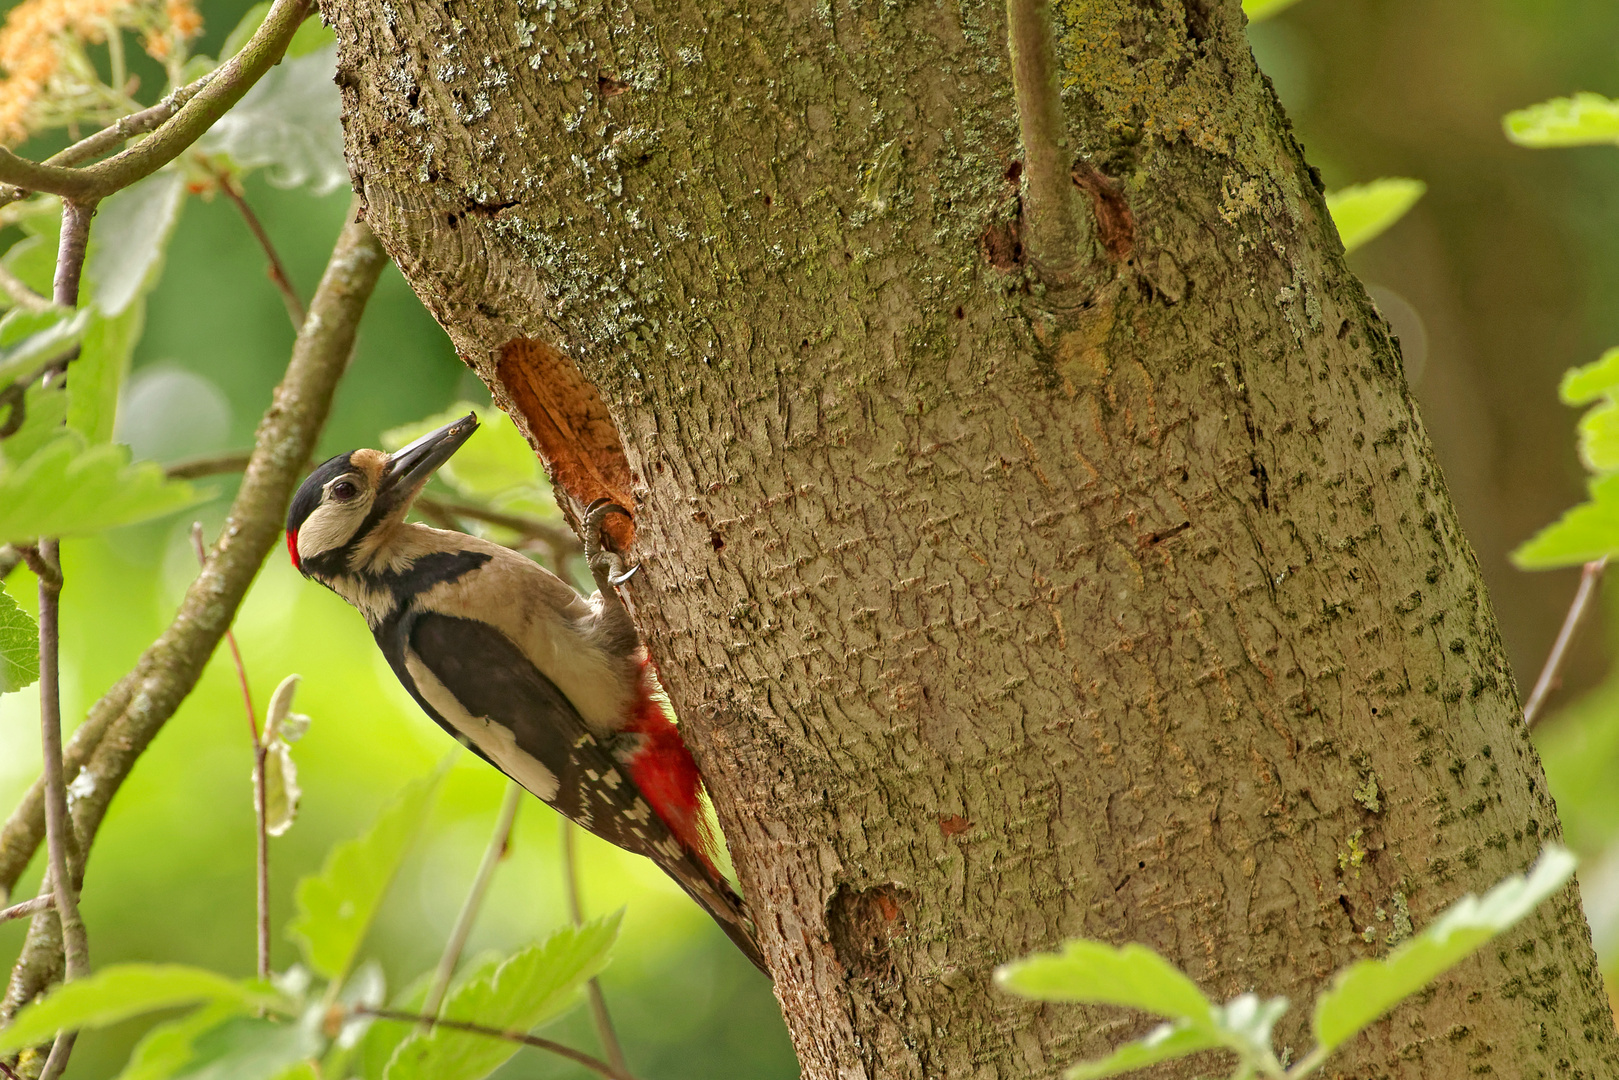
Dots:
pixel 172 136
pixel 1093 972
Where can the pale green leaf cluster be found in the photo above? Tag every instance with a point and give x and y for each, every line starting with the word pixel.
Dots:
pixel 282 728
pixel 19 645
pixel 1135 977
pixel 1590 530
pixel 69 487
pixel 1364 211
pixel 1581 120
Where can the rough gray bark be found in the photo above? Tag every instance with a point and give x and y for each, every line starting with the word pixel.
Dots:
pixel 989 626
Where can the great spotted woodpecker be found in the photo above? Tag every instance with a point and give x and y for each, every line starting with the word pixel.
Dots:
pixel 552 689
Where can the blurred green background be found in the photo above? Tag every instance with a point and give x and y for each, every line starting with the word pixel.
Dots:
pixel 1505 274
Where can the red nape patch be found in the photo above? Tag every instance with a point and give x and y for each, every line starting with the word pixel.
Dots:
pixel 668 777
pixel 292 548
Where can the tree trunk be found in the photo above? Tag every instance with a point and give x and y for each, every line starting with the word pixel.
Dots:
pixel 999 606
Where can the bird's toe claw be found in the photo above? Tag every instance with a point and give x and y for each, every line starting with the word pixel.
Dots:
pixel 604 565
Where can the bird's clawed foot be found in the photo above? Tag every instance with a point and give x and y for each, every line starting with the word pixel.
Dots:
pixel 605 566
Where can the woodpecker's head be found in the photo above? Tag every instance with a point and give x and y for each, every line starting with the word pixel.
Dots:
pixel 347 509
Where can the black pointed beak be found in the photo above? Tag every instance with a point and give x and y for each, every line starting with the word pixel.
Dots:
pixel 409 467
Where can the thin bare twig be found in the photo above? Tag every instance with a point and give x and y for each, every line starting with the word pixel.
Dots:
pixel 278 270
pixel 9 1074
pixel 27 908
pixel 1571 622
pixel 594 1064
pixel 469 907
pixel 598 1003
pixel 124 722
pixel 260 797
pixel 1055 235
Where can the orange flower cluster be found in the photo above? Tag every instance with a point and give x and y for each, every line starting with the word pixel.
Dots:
pixel 30 45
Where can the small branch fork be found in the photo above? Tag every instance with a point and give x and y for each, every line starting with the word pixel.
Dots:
pixel 1548 680
pixel 173 134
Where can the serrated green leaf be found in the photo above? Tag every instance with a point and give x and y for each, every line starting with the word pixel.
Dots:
pixel 30 338
pixel 289 124
pixel 131 234
pixel 1093 971
pixel 1166 1042
pixel 496 460
pixel 1367 989
pixel 33 258
pixel 66 488
pixel 245 27
pixel 19 645
pixel 336 906
pixel 1584 533
pixel 1581 120
pixel 1363 211
pixel 119 992
pixel 1598 432
pixel 251 1048
pixel 167 1048
pixel 99 372
pixel 1258 10
pixel 1588 382
pixel 534 986
pixel 384 1036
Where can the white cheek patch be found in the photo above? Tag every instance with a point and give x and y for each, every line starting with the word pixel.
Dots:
pixel 494 739
pixel 330 526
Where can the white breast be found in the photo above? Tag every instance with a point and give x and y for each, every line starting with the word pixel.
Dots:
pixel 495 740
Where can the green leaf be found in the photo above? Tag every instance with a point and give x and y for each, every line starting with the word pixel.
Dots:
pixel 495 460
pixel 536 985
pixel 1093 971
pixel 335 907
pixel 1598 432
pixel 1258 10
pixel 131 233
pixel 384 1036
pixel 1363 211
pixel 19 645
pixel 1367 989
pixel 1589 382
pixel 66 488
pixel 288 123
pixel 29 338
pixel 1166 1042
pixel 119 992
pixel 167 1048
pixel 99 372
pixel 250 1048
pixel 1581 120
pixel 246 27
pixel 1584 533
pixel 46 412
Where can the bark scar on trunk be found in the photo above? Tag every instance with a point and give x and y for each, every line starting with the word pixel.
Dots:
pixel 862 924
pixel 567 422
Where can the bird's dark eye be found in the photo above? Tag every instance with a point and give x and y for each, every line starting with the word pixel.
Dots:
pixel 343 491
